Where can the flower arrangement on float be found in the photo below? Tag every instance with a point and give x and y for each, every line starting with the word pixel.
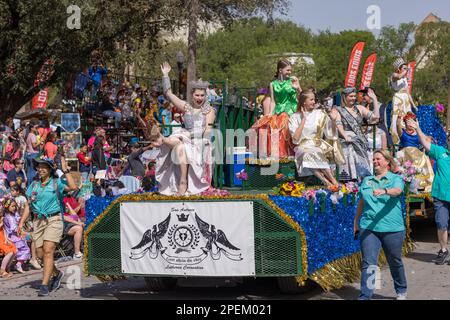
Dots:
pixel 292 188
pixel 409 174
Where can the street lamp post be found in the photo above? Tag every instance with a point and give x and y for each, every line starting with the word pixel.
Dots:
pixel 180 63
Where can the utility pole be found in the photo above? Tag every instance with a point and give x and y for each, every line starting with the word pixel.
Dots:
pixel 194 9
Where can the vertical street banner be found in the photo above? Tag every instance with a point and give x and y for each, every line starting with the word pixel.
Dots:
pixel 40 100
pixel 354 63
pixel 368 71
pixel 411 71
pixel 208 239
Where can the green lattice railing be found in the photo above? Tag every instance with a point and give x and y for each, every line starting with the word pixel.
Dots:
pixel 277 244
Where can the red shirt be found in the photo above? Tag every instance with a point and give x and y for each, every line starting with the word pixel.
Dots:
pixel 151 172
pixel 84 159
pixel 50 150
pixel 74 204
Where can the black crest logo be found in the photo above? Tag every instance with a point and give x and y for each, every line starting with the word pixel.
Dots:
pixel 182 217
pixel 183 241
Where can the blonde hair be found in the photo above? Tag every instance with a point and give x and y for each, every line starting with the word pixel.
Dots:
pixel 387 155
pixel 302 98
pixel 344 95
pixel 153 132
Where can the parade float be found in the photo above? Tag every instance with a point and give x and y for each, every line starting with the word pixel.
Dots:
pixel 252 225
pixel 267 226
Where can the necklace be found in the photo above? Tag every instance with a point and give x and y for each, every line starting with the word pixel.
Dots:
pixel 43 184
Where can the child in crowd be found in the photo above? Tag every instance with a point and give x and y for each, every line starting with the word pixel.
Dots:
pixel 11 223
pixel 75 204
pixel 19 196
pixel 7 250
pixel 3 179
pixel 73 226
pixel 166 118
pixel 85 163
pixel 150 169
pixel 149 184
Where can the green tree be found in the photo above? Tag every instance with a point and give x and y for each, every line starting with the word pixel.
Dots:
pixel 240 52
pixel 223 11
pixel 31 32
pixel 432 47
pixel 332 53
pixel 396 42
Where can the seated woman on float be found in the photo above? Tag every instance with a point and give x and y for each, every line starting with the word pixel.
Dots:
pixel 184 164
pixel 411 150
pixel 350 122
pixel 273 127
pixel 308 127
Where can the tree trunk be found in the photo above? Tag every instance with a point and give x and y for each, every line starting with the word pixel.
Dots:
pixel 11 104
pixel 194 9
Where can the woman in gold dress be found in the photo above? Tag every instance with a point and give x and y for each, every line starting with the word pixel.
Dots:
pixel 309 129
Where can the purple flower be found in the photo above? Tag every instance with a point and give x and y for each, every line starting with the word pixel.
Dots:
pixel 440 108
pixel 242 175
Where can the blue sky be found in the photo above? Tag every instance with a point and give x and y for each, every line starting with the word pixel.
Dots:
pixel 338 15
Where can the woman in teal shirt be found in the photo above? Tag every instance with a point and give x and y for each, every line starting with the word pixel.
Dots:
pixel 45 196
pixel 440 191
pixel 379 223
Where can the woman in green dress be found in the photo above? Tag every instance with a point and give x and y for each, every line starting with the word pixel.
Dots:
pixel 284 91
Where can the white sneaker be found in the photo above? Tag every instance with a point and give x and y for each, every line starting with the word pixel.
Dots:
pixel 402 296
pixel 78 256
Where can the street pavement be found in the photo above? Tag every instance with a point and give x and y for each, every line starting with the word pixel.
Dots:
pixel 426 281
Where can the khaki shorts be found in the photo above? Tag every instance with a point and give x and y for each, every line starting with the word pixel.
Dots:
pixel 47 230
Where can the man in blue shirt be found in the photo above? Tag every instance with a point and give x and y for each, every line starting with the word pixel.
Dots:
pixel 96 73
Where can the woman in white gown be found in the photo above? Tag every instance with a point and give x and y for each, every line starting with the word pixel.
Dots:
pixel 309 128
pixel 184 164
pixel 402 103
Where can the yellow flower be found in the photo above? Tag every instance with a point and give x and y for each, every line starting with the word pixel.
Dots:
pixel 344 189
pixel 296 193
pixel 287 187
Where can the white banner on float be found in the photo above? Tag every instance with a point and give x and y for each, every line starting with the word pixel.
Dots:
pixel 208 239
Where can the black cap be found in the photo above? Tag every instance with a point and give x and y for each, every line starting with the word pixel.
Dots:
pixel 366 90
